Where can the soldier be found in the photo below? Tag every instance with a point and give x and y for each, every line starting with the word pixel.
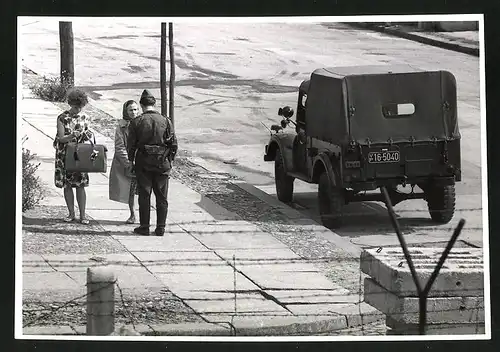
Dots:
pixel 152 146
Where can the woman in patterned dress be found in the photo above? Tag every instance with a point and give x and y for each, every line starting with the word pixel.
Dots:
pixel 72 126
pixel 122 184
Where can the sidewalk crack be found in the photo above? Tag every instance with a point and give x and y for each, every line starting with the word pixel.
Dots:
pixel 155 333
pixel 73 328
pixel 46 261
pixel 275 300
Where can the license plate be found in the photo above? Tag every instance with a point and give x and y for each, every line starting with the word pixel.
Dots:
pixel 383 157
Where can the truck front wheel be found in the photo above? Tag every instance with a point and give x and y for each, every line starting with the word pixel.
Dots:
pixel 331 201
pixel 284 183
pixel 441 202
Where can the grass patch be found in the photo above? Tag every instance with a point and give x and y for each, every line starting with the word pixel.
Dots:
pixel 51 89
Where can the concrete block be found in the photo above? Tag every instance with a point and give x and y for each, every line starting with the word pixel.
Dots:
pixel 461 275
pixel 100 301
pixel 440 310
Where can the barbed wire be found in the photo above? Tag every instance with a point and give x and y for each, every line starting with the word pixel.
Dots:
pixel 271 313
pixel 233 331
pixel 478 305
pixel 126 302
pixel 69 302
pixel 360 300
pixel 123 303
pixel 400 318
pixel 465 259
pixel 464 255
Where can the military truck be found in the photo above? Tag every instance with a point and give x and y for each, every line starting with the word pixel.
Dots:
pixel 361 128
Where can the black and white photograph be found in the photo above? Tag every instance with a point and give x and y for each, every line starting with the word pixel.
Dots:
pixel 255 178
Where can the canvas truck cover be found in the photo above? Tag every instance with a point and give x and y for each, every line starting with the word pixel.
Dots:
pixel 373 95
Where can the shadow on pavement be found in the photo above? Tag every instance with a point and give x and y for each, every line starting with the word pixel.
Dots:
pixel 117 222
pixel 80 231
pixel 216 211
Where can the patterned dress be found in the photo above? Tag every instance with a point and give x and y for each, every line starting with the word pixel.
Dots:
pixel 62 178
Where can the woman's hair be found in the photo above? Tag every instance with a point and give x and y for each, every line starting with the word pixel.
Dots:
pixel 77 97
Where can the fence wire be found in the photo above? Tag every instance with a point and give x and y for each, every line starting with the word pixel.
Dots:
pixel 129 309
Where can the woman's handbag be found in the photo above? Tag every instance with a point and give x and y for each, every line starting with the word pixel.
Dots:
pixel 82 157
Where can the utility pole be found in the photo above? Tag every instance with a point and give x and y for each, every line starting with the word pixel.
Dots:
pixel 67 53
pixel 163 73
pixel 172 72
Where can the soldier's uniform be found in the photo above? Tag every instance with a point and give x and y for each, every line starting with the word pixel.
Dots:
pixel 152 144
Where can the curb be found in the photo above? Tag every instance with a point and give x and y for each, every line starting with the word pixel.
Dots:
pixel 336 324
pixel 418 38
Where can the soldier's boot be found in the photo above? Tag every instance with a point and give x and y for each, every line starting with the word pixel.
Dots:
pixel 142 230
pixel 160 231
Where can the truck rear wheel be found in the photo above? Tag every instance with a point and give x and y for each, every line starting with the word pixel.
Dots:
pixel 441 202
pixel 331 201
pixel 284 183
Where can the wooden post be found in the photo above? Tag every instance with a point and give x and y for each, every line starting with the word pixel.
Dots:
pixel 67 53
pixel 100 301
pixel 163 73
pixel 172 72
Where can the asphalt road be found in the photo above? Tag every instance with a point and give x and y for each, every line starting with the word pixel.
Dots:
pixel 232 78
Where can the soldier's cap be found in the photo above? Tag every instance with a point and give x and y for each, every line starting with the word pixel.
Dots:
pixel 147 98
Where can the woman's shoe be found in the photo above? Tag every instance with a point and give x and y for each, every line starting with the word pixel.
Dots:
pixel 85 221
pixel 69 218
pixel 130 220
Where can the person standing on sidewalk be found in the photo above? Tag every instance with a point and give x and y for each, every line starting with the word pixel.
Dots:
pixel 122 182
pixel 72 126
pixel 151 147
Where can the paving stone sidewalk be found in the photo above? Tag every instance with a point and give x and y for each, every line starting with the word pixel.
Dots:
pixel 235 271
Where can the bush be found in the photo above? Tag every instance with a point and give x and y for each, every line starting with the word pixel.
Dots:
pixel 32 186
pixel 51 89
